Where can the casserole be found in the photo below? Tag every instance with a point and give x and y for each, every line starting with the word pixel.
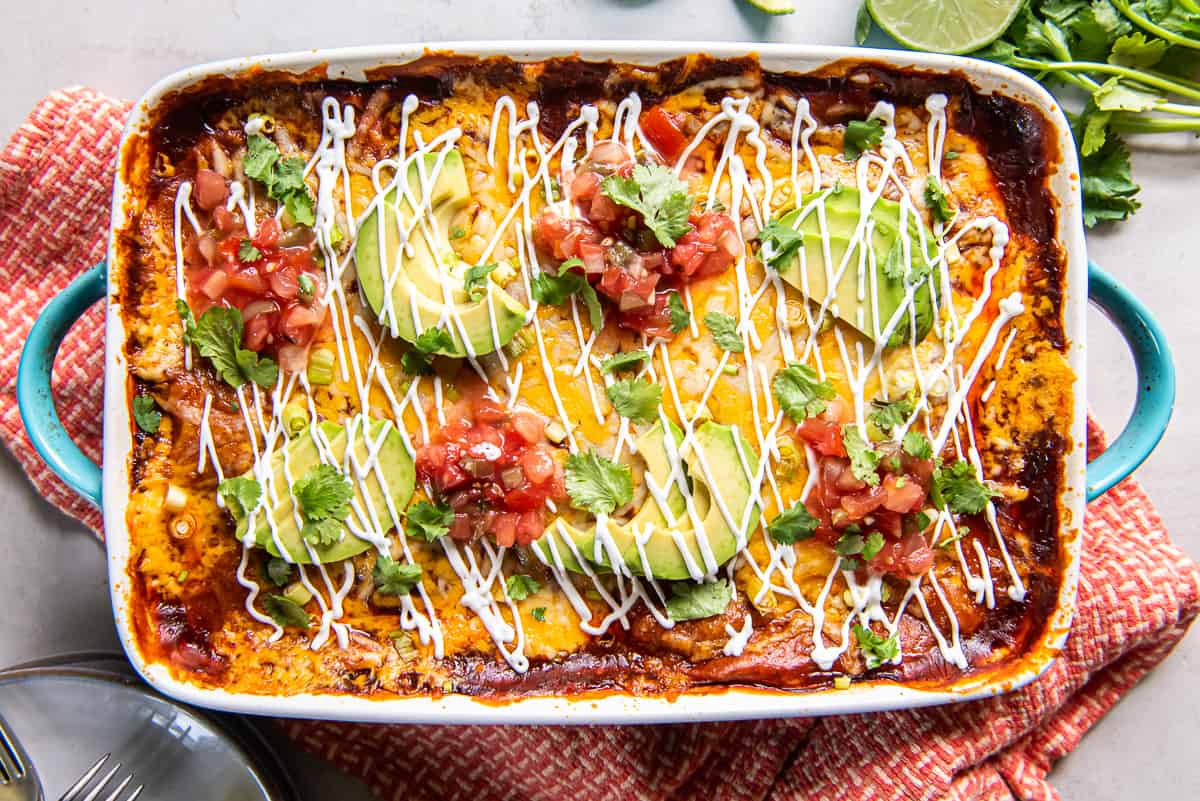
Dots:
pixel 736 701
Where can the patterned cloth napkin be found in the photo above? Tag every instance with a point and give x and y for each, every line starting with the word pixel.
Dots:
pixel 1137 594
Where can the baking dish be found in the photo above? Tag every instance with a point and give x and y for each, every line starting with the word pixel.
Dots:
pixel 734 703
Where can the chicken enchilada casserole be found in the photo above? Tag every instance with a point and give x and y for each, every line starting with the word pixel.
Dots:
pixel 563 377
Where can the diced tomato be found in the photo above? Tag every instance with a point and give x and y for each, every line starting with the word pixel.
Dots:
pixel 823 433
pixel 226 221
pixel 284 284
pixel 585 186
pixel 256 332
pixel 653 321
pixel 903 494
pixel 267 235
pixel 211 189
pixel 860 504
pixel 710 248
pixel 299 322
pixel 663 133
pixel 493 466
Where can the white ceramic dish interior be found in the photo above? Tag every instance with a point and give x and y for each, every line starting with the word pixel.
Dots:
pixel 731 704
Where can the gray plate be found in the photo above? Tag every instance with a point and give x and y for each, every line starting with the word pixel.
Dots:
pixel 68 711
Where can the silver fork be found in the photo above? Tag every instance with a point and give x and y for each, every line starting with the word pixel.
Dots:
pixel 18 779
pixel 77 790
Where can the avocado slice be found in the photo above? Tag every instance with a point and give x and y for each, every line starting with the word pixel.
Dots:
pixel 416 287
pixel 302 454
pixel 719 445
pixel 842 216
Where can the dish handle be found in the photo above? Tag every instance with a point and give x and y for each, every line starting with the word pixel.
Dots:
pixel 34 397
pixel 1155 376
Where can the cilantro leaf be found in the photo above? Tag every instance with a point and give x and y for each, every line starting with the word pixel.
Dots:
pixel 872 546
pixel 247 252
pixel 957 488
pixel 146 414
pixel 849 545
pixel 690 601
pixel 279 571
pixel 636 399
pixel 876 649
pixel 429 521
pixel 241 494
pixel 863 460
pixel 779 242
pixel 324 496
pixel 596 484
pixel 793 525
pixel 724 331
pixel 894 266
pixel 917 444
pixel 860 136
pixel 935 199
pixel 284 178
pixel 1136 51
pixel 800 393
pixel 539 614
pixel 476 278
pixel 554 290
pixel 862 24
pixel 286 612
pixel 394 578
pixel 187 318
pixel 660 197
pixel 261 155
pixel 1108 188
pixel 218 337
pixel 623 361
pixel 681 318
pixel 321 532
pixel 415 360
pixel 521 586
pixel 1114 95
pixel 889 414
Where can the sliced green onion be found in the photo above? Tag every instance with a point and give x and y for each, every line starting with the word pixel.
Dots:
pixel 320 366
pixel 297 593
pixel 307 287
pixel 294 417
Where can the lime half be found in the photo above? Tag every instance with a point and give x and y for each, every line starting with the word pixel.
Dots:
pixel 774 6
pixel 944 26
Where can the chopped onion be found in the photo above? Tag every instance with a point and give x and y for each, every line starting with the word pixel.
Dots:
pixel 294 359
pixel 176 498
pixel 480 468
pixel 512 477
pixel 632 300
pixel 258 307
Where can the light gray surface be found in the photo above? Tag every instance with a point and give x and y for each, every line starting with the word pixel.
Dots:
pixel 54 597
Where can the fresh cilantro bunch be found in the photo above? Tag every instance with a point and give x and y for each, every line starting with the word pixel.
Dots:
pixel 1135 62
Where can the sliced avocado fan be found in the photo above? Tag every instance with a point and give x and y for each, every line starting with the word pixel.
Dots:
pixel 669 525
pixel 302 454
pixel 886 279
pixel 420 286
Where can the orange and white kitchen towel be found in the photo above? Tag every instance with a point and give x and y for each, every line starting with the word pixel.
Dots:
pixel 1137 593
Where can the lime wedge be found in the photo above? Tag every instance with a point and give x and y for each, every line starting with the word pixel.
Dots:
pixel 774 6
pixel 944 26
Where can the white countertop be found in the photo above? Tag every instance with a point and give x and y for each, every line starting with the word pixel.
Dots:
pixel 52 571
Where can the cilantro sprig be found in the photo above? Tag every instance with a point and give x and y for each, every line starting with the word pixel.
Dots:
pixel 146 414
pixel 428 521
pixel 691 601
pixel 861 136
pixel 876 650
pixel 218 337
pixel 417 359
pixel 521 586
pixel 779 241
pixel 957 488
pixel 724 331
pixel 801 394
pixel 284 178
pixel 681 318
pixel 636 399
pixel 659 196
pixel 596 484
pixel 794 525
pixel 394 578
pixel 553 290
pixel 324 496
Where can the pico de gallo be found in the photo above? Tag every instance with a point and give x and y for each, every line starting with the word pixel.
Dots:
pixel 846 504
pixel 627 257
pixel 494 467
pixel 271 277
